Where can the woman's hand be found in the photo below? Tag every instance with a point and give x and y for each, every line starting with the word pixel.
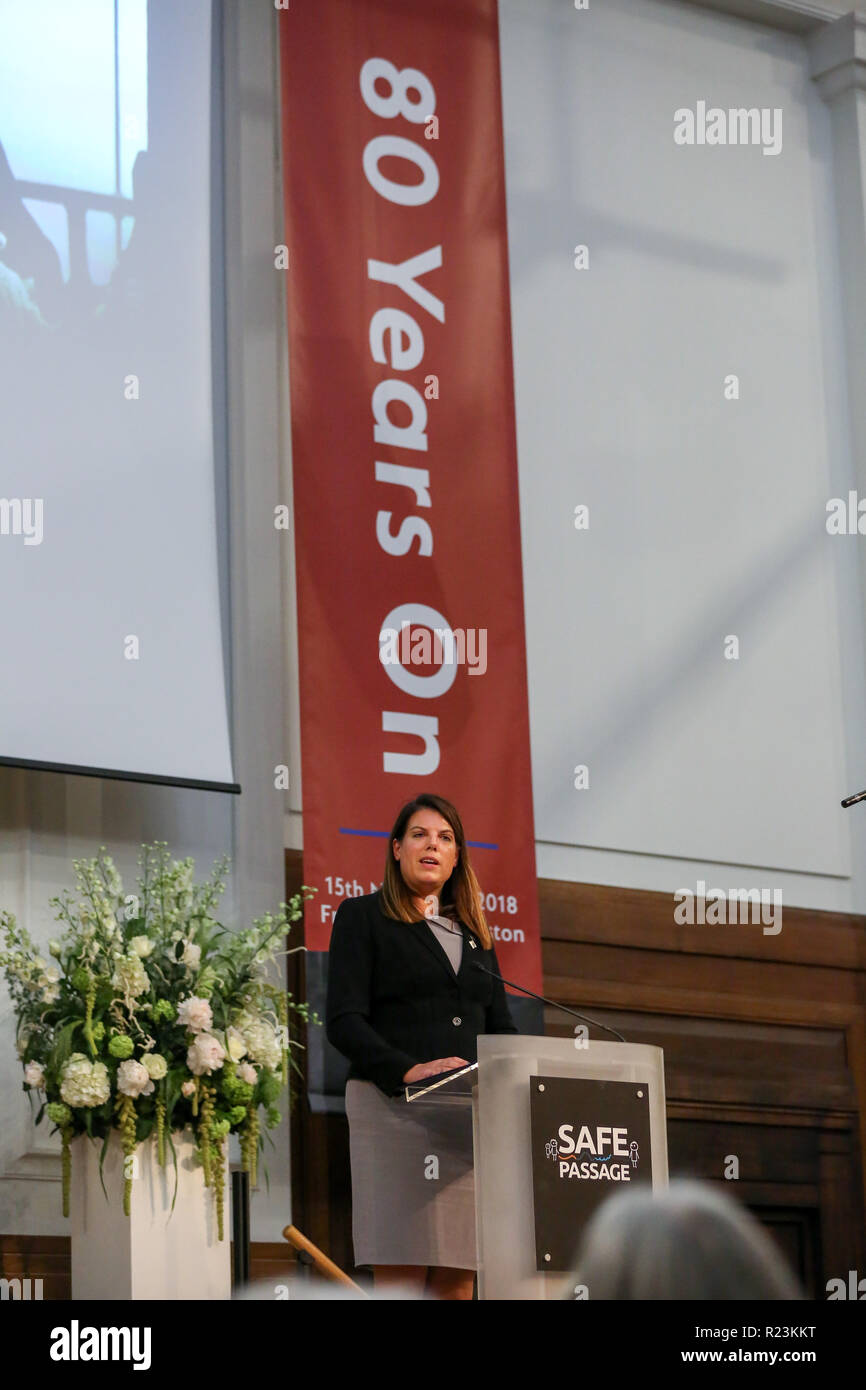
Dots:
pixel 422 1070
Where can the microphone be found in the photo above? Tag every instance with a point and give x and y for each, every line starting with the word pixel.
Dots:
pixel 852 800
pixel 552 1002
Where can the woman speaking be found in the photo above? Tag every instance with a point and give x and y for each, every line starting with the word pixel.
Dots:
pixel 406 1002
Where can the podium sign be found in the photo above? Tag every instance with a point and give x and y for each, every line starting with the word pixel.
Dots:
pixel 589 1139
pixel 527 1205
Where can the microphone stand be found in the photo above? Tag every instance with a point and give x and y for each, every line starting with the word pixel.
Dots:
pixel 552 1002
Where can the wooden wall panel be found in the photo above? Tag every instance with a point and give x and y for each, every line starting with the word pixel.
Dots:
pixel 37 1257
pixel 48 1258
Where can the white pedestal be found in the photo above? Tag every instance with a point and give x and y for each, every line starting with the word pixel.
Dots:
pixel 154 1252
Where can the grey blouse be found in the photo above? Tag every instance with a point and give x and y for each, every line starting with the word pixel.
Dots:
pixel 450 938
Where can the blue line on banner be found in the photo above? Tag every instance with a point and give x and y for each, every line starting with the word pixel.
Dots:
pixel 383 835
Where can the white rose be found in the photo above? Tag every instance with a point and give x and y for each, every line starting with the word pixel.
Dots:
pixel 247 1073
pixel 155 1065
pixel 195 1014
pixel 34 1075
pixel 133 1080
pixel 188 1088
pixel 205 1055
pixel 140 946
pixel 235 1044
pixel 191 955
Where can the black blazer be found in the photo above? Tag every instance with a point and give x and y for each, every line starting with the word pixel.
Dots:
pixel 394 999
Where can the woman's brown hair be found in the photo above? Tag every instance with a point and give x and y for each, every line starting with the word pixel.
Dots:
pixel 461 890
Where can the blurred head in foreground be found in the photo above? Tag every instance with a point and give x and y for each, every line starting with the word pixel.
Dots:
pixel 687 1242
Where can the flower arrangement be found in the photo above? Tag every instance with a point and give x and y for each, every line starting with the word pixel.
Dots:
pixel 155 1017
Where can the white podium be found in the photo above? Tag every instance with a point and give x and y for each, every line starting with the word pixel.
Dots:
pixel 556 1129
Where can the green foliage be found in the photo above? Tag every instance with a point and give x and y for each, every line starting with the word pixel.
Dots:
pixel 268 1088
pixel 63 1044
pixel 144 1127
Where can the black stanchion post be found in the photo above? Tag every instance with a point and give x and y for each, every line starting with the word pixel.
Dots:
pixel 240 1227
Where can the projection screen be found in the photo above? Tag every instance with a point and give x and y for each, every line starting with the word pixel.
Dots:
pixel 113 617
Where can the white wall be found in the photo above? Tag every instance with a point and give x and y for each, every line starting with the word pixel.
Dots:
pixel 707 515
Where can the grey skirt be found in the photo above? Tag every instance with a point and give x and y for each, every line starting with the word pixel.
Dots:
pixel 413 1180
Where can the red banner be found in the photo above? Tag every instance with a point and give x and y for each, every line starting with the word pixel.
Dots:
pixel 412 650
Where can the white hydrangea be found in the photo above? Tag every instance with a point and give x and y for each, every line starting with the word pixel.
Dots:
pixel 262 1040
pixel 83 1082
pixel 133 1079
pixel 130 976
